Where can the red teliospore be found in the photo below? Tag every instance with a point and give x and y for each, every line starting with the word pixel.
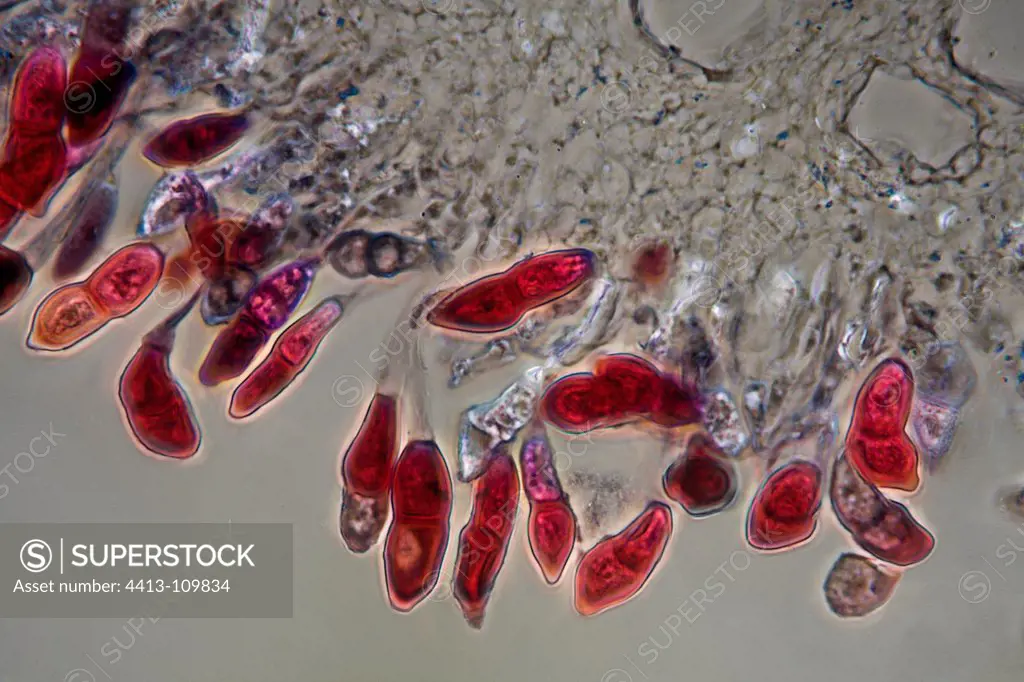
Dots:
pixel 265 310
pixel 194 140
pixel 33 165
pixel 155 405
pixel 617 567
pixel 785 509
pixel 101 74
pixel 125 279
pixel 366 471
pixel 220 243
pixel 499 301
pixel 421 505
pixel 57 119
pixel 210 241
pixel 263 235
pixel 232 351
pixel 366 466
pixel 34 158
pixel 97 87
pixel 877 443
pixel 552 536
pixel 117 287
pixel 551 527
pixel 483 543
pixel 622 388
pixel 37 96
pixel 291 353
pixel 701 480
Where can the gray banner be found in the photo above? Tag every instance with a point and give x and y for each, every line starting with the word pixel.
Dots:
pixel 151 570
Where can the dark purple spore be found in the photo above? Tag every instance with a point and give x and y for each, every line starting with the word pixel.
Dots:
pixel 87 232
pixel 276 297
pixel 540 480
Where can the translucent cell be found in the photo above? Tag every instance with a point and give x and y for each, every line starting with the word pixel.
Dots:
pixel 192 141
pixel 495 353
pixel 388 254
pixel 701 479
pixel 224 295
pixel 86 232
pixel 856 503
pixel 944 374
pixel 934 427
pixel 503 417
pixel 597 326
pixel 15 277
pixel 723 422
pixel 785 508
pixel 292 351
pixel 126 278
pixel 483 542
pixel 367 464
pixel 474 450
pixel 174 198
pixel 37 96
pixel 362 520
pixel 1011 500
pixel 421 502
pixel 617 567
pixel 347 253
pixel 32 167
pixel 857 586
